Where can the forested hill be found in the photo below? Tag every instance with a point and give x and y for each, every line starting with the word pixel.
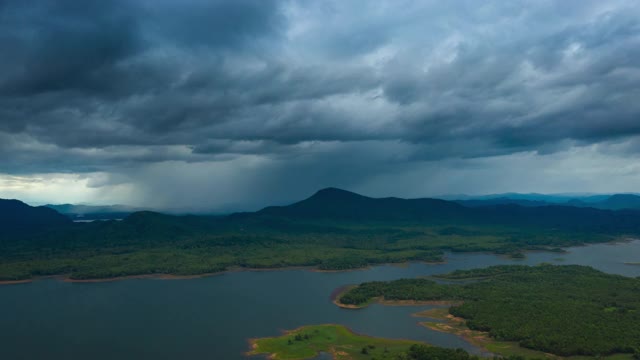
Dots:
pixel 332 230
pixel 17 217
pixel 332 203
pixel 336 204
pixel 613 202
pixel 604 202
pixel 342 206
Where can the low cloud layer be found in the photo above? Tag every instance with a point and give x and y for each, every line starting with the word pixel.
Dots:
pixel 237 104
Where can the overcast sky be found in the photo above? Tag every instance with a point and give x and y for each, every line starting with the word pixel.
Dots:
pixel 228 105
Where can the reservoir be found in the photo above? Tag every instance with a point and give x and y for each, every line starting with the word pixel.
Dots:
pixel 213 317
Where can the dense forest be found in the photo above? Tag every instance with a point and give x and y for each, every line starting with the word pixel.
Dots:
pixel 424 352
pixel 332 230
pixel 152 243
pixel 564 310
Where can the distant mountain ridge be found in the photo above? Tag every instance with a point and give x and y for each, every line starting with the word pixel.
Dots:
pixel 550 198
pixel 341 204
pixel 331 195
pixel 20 218
pixel 502 201
pixel 613 202
pixel 86 209
pixel 337 204
pixel 332 229
pixel 605 202
pixel 93 212
pixel 345 206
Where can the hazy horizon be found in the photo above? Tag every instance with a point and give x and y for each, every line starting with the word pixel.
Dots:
pixel 550 197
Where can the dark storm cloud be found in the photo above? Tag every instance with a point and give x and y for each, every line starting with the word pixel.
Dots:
pixel 109 86
pixel 217 23
pixel 517 101
pixel 51 46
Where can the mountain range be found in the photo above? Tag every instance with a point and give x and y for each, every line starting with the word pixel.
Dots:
pixel 93 212
pixel 333 229
pixel 341 205
pixel 606 202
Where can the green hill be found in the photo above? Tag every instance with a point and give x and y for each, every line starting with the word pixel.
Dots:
pixel 333 230
pixel 18 219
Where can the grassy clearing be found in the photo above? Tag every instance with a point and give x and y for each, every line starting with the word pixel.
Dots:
pixel 337 340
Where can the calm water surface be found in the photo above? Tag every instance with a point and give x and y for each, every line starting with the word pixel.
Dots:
pixel 212 318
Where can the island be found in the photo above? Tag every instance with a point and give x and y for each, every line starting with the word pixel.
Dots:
pixel 563 310
pixel 342 344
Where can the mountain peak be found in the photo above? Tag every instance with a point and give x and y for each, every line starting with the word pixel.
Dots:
pixel 12 202
pixel 333 191
pixel 335 194
pixel 18 217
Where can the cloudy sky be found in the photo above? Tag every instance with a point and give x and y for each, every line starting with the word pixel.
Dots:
pixel 236 104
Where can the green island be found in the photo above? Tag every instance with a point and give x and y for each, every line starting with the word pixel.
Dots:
pixel 308 341
pixel 566 310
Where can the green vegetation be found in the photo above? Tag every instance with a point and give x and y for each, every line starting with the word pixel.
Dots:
pixel 332 230
pixel 341 343
pixel 454 325
pixel 564 310
pixel 150 243
pixel 403 289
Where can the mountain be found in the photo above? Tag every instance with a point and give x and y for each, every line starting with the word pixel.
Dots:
pixel 17 217
pixel 502 201
pixel 547 198
pixel 605 202
pixel 332 203
pixel 621 201
pixel 93 212
pixel 613 202
pixel 334 229
pixel 342 205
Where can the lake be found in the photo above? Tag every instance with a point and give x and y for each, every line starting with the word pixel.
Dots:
pixel 212 317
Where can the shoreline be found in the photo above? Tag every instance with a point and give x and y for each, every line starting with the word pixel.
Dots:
pixel 232 269
pixel 370 266
pixel 158 276
pixel 15 282
pixel 450 324
pixel 338 292
pixel 253 342
pixel 382 301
